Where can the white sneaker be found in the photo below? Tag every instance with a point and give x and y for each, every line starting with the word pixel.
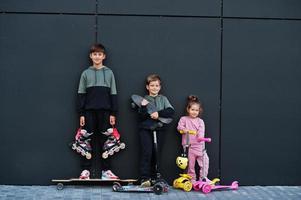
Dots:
pixel 107 175
pixel 85 175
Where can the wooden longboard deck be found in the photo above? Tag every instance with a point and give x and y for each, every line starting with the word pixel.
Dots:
pixel 91 180
pixel 76 181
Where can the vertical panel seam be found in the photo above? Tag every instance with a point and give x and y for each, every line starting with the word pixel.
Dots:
pixel 221 91
pixel 96 21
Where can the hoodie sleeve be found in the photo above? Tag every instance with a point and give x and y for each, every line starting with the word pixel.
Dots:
pixel 81 95
pixel 114 106
pixel 168 110
pixel 201 129
pixel 181 124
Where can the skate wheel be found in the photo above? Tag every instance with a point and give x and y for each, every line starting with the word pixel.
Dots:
pixel 88 156
pixel 158 189
pixel 104 155
pixel 111 153
pixel 122 146
pixel 206 188
pixel 187 186
pixel 60 186
pixel 116 186
pixel 117 149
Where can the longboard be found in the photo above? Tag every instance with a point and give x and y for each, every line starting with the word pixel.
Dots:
pixel 60 183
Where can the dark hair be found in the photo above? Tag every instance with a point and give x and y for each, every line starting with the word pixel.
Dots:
pixel 97 48
pixel 152 77
pixel 191 100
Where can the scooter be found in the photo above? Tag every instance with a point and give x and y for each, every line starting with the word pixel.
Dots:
pixel 207 186
pixel 184 181
pixel 160 185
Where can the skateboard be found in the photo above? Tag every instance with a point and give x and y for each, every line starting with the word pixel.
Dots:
pixel 151 108
pixel 158 188
pixel 60 183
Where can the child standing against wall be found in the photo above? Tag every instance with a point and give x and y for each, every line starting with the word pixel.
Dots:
pixel 97 106
pixel 193 123
pixel 147 121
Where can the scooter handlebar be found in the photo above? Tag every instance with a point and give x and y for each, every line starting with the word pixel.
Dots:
pixel 193 132
pixel 204 139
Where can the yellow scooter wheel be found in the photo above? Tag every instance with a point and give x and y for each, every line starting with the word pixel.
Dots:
pixel 187 186
pixel 175 183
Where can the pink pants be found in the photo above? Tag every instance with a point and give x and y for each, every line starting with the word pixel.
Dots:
pixel 201 156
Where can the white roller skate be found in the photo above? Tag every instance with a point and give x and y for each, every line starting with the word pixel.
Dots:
pixel 112 144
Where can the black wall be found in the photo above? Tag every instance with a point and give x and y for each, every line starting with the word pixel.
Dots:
pixel 241 58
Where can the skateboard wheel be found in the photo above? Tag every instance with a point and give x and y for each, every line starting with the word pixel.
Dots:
pixel 187 186
pixel 206 188
pixel 158 189
pixel 60 186
pixel 133 105
pixel 116 186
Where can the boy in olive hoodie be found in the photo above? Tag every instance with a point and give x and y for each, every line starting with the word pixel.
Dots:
pixel 147 121
pixel 97 106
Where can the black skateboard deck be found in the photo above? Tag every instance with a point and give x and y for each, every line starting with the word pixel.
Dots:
pixel 150 108
pixel 60 183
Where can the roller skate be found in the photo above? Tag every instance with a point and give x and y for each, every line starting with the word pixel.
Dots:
pixel 112 144
pixel 82 143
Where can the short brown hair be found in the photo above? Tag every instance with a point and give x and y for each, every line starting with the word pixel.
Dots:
pixel 97 48
pixel 152 77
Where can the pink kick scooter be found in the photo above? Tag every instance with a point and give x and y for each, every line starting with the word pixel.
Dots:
pixel 206 186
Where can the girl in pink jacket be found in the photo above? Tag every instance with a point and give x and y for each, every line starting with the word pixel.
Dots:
pixel 194 126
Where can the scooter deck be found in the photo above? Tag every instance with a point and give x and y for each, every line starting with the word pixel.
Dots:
pixel 133 188
pixel 76 181
pixel 158 188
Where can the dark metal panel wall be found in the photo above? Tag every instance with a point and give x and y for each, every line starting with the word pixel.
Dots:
pixel 41 57
pixel 261 102
pixel 161 7
pixel 262 8
pixel 185 52
pixel 57 6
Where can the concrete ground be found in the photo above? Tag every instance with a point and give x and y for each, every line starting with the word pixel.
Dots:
pixel 8 192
